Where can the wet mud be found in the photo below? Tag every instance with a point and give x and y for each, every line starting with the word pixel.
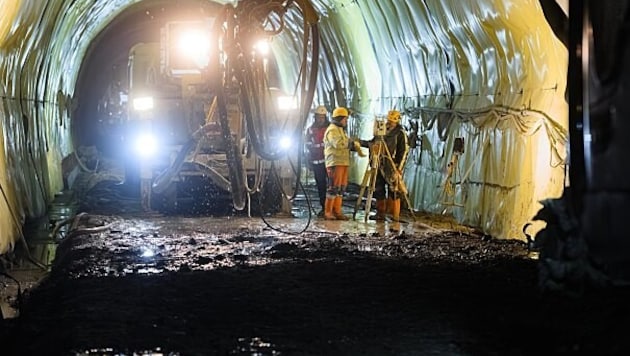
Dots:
pixel 131 284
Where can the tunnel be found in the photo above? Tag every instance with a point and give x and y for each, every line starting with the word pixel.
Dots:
pixel 514 114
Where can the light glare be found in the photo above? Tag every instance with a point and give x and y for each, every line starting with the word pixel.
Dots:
pixel 262 47
pixel 194 44
pixel 147 252
pixel 287 103
pixel 146 145
pixel 143 103
pixel 286 142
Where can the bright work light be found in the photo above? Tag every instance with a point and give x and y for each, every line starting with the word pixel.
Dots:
pixel 143 103
pixel 286 142
pixel 146 145
pixel 194 44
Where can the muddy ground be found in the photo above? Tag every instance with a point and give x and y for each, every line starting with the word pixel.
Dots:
pixel 130 283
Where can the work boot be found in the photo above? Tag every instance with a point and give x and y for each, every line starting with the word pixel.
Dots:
pixel 396 210
pixel 390 206
pixel 337 209
pixel 328 209
pixel 380 210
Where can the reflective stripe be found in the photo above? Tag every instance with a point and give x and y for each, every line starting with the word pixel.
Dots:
pixel 319 161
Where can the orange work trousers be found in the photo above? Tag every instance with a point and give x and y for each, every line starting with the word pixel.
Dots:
pixel 337 180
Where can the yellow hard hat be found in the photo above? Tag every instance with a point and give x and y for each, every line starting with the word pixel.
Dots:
pixel 339 111
pixel 321 110
pixel 393 116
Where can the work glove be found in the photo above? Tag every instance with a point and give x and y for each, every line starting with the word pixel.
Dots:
pixel 397 181
pixel 376 147
pixel 357 147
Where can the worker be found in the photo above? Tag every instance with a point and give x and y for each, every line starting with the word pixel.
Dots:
pixel 337 146
pixel 389 186
pixel 315 149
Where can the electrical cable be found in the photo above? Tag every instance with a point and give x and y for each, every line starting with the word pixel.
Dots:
pixel 306 226
pixel 252 110
pixel 21 233
pixel 19 288
pixel 251 107
pixel 558 135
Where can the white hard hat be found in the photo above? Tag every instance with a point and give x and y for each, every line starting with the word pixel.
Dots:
pixel 321 110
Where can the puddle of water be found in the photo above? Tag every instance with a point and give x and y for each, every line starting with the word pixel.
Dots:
pixel 149 270
pixel 254 346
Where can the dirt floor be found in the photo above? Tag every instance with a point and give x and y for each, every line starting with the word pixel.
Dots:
pixel 133 284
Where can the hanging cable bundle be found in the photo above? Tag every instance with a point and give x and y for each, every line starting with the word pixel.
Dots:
pixel 244 86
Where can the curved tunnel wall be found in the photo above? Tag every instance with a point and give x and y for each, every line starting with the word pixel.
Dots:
pixel 36 82
pixel 489 71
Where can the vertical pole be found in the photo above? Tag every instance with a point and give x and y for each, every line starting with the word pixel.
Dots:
pixel 578 99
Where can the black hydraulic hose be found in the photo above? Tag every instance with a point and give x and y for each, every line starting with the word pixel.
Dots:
pixel 308 97
pixel 243 72
pixel 235 163
pixel 164 179
pixel 307 100
pixel 249 119
pixel 246 77
pixel 232 152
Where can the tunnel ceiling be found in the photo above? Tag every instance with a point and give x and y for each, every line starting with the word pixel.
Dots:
pixel 436 53
pixel 490 71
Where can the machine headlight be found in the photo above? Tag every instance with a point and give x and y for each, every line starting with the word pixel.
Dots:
pixel 285 142
pixel 194 44
pixel 146 145
pixel 143 103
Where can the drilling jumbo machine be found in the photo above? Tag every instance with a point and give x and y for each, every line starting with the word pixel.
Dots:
pixel 204 108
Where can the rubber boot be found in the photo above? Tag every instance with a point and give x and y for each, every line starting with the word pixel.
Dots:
pixel 396 210
pixel 337 209
pixel 380 210
pixel 328 209
pixel 390 206
pixel 322 202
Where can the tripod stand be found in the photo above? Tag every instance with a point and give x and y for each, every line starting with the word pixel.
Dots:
pixel 453 174
pixel 378 150
pixel 451 181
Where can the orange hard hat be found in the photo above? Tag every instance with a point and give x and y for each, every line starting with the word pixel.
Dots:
pixel 393 116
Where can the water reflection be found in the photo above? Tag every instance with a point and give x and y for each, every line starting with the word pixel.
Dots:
pixel 147 252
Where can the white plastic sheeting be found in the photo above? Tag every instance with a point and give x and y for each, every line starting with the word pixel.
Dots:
pixel 488 71
pixel 41 46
